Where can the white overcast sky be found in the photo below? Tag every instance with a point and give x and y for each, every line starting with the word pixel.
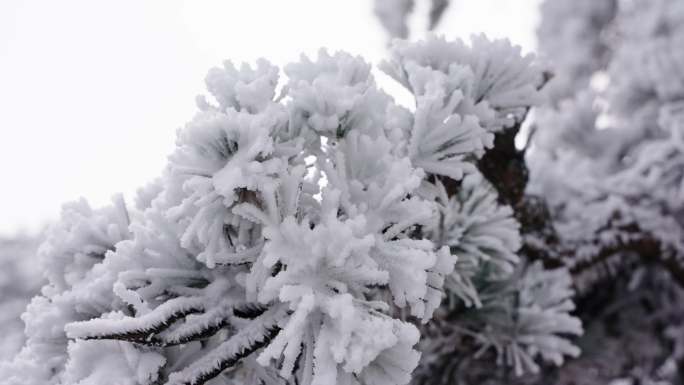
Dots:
pixel 92 91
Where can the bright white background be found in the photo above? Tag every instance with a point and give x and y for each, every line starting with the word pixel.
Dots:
pixel 92 92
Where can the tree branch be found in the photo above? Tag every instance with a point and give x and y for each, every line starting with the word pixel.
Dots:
pixel 505 168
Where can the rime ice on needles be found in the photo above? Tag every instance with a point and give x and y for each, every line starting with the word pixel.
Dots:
pixel 80 240
pixel 240 266
pixel 77 258
pixel 442 140
pixel 541 303
pixel 479 231
pixel 334 94
pixel 500 84
pixel 110 363
pixel 224 152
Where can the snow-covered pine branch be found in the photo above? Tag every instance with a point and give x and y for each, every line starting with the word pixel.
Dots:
pixel 301 233
pixel 609 161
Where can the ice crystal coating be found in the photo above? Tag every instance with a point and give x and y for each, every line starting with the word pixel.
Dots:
pixel 479 231
pixel 77 259
pixel 542 303
pixel 292 238
pixel 498 83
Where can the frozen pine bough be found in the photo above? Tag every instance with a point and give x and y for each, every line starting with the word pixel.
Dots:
pixel 75 260
pixel 609 159
pixel 311 231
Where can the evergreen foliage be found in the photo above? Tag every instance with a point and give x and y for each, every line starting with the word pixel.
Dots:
pixel 306 232
pixel 309 230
